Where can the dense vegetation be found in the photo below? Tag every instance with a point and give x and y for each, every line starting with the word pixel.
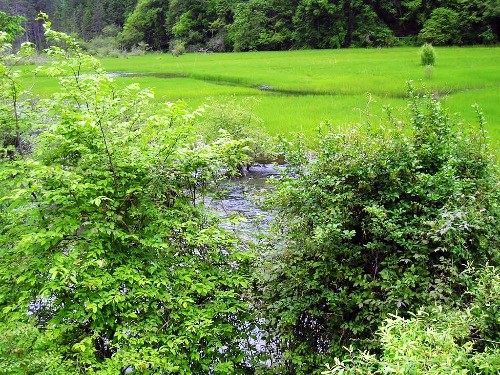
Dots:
pixel 107 261
pixel 377 223
pixel 341 86
pixel 227 25
pixel 385 245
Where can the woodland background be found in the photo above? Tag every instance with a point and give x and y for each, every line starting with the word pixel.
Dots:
pixel 235 25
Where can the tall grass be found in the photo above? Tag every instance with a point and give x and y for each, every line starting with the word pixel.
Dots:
pixel 296 90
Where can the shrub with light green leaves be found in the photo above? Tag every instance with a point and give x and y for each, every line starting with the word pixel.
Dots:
pixel 242 124
pixel 438 339
pixel 427 55
pixel 107 261
pixel 376 222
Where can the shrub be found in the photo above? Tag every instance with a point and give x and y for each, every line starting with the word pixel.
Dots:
pixel 177 48
pixel 217 43
pixel 376 223
pixel 108 263
pixel 438 340
pixel 103 46
pixel 139 49
pixel 242 124
pixel 488 36
pixel 427 55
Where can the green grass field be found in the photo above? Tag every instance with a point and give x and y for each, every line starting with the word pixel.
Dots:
pixel 294 91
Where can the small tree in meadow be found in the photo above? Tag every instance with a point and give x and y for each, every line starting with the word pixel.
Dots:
pixel 427 55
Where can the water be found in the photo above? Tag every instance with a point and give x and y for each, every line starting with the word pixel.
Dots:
pixel 241 206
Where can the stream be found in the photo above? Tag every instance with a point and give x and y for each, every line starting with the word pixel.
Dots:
pixel 240 205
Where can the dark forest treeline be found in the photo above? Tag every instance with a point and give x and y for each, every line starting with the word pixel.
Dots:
pixel 236 25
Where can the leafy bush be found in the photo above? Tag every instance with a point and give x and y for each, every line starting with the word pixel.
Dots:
pixel 442 28
pixel 376 223
pixel 107 262
pixel 371 32
pixel 139 49
pixel 242 124
pixel 103 46
pixel 217 43
pixel 106 44
pixel 11 26
pixel 427 55
pixel 177 48
pixel 488 36
pixel 438 340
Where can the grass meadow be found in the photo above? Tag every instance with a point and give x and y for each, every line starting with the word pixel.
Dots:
pixel 294 91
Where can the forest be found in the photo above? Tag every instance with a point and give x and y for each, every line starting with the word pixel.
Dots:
pixel 235 25
pixel 381 254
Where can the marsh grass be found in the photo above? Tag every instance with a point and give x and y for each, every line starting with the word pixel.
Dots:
pixel 296 90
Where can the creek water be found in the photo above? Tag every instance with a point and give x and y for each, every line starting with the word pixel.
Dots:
pixel 241 210
pixel 240 206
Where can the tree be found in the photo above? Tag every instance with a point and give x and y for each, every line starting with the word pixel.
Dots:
pixel 442 28
pixel 107 261
pixel 319 24
pixel 376 224
pixel 147 24
pixel 11 26
pixel 247 27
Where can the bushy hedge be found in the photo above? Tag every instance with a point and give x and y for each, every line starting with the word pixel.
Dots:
pixel 438 339
pixel 376 223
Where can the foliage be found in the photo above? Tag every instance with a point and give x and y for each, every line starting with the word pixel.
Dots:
pixel 177 48
pixel 442 28
pixel 244 32
pixel 275 25
pixel 262 25
pixel 376 223
pixel 11 26
pixel 319 24
pixel 146 24
pixel 242 124
pixel 107 262
pixel 369 30
pixel 427 55
pixel 438 339
pixel 106 44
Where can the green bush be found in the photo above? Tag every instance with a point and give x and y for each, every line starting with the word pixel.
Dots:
pixel 442 28
pixel 241 124
pixel 11 26
pixel 108 262
pixel 103 46
pixel 427 55
pixel 177 48
pixel 438 340
pixel 376 223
